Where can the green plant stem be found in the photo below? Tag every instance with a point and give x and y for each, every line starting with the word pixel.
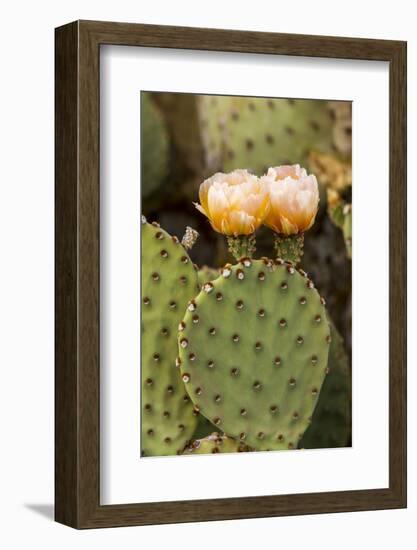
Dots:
pixel 289 247
pixel 242 246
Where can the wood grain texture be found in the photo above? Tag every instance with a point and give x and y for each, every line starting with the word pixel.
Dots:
pixel 78 285
pixel 398 274
pixel 66 238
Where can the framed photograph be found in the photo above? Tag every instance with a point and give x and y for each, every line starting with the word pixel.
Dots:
pixel 230 274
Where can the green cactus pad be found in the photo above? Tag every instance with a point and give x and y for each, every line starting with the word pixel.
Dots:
pixel 253 349
pixel 215 443
pixel 347 230
pixel 154 145
pixel 169 280
pixel 206 274
pixel 331 424
pixel 258 133
pixel 341 215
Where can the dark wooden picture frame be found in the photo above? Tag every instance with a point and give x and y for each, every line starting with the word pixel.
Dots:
pixel 77 374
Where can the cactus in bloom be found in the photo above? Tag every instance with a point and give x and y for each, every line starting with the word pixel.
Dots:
pixel 169 280
pixel 330 426
pixel 253 349
pixel 215 443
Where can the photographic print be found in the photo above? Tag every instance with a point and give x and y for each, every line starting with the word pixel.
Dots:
pixel 210 315
pixel 245 274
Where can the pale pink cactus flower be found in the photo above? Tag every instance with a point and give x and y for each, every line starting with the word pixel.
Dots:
pixel 236 203
pixel 293 197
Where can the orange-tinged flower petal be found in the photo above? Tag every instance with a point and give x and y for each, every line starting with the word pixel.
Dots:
pixel 200 209
pixel 294 199
pixel 235 203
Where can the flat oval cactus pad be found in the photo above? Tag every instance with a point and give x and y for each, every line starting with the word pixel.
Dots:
pixel 169 280
pixel 253 349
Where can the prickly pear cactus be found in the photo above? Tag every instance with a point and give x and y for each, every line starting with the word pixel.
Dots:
pixel 181 114
pixel 331 421
pixel 206 274
pixel 169 280
pixel 257 134
pixel 215 443
pixel 253 349
pixel 340 212
pixel 154 146
pixel 342 129
pixel 347 229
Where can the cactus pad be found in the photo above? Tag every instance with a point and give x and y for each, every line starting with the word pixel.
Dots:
pixel 347 229
pixel 206 274
pixel 154 145
pixel 215 443
pixel 169 280
pixel 331 424
pixel 256 133
pixel 253 349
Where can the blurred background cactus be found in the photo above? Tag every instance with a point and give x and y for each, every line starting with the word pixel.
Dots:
pixel 154 147
pixel 185 138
